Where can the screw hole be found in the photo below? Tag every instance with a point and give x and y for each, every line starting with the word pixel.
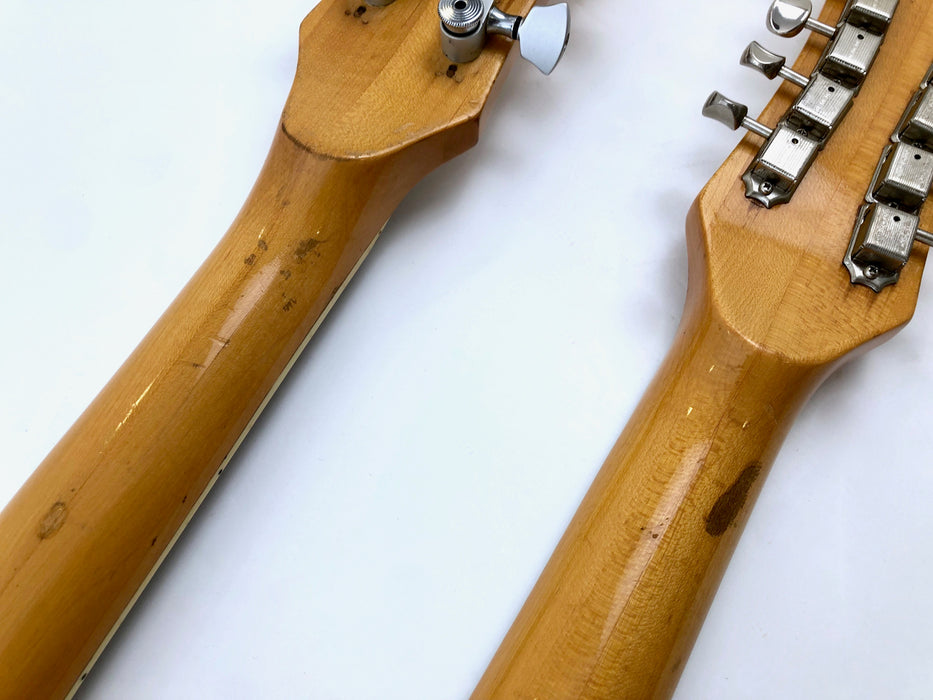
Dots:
pixel 832 89
pixel 897 219
pixel 795 141
pixel 917 156
pixel 460 5
pixel 861 36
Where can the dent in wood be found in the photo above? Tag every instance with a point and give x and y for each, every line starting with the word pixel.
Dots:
pixel 730 503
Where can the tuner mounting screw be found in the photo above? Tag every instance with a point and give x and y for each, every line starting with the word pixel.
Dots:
pixel 790 17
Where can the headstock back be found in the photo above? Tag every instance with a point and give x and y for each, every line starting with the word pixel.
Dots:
pixel 776 275
pixel 373 81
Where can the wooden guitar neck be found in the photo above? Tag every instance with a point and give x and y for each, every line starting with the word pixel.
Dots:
pixel 372 110
pixel 617 609
pixel 770 313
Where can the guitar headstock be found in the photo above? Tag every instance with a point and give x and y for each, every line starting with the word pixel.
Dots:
pixel 774 247
pixel 374 80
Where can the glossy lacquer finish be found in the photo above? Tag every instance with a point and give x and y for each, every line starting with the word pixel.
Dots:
pixel 372 111
pixel 618 607
pixel 770 314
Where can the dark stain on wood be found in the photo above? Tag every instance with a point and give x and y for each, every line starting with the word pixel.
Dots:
pixel 730 503
pixel 306 246
pixel 53 520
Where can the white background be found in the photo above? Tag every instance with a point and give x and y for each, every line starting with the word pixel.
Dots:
pixel 386 518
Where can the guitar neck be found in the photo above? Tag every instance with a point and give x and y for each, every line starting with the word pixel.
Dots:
pixel 616 610
pixel 86 531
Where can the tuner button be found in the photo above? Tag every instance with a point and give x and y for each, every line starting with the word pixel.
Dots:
pixel 790 17
pixel 733 114
pixel 543 35
pixel 771 65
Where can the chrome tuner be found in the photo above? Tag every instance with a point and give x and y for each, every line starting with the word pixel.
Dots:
pixel 790 17
pixel 771 65
pixel 542 34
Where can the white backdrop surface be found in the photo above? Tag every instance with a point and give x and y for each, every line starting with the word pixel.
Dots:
pixel 384 521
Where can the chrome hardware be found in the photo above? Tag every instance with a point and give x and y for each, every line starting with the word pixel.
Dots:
pixel 851 55
pixel 780 166
pixel 461 17
pixel 873 15
pixel 904 177
pixel 790 17
pixel 820 108
pixel 771 65
pixel 782 161
pixel 881 245
pixel 733 114
pixel 827 94
pixel 542 35
pixel 917 127
pixel 889 224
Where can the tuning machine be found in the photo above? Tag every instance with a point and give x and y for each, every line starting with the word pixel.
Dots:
pixel 782 161
pixel 542 35
pixel 881 244
pixel 855 40
pixel 790 17
pixel 827 94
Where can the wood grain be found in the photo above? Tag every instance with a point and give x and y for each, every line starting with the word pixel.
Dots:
pixel 84 534
pixel 770 314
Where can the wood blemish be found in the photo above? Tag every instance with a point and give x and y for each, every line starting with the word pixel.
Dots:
pixel 730 503
pixel 306 246
pixel 289 303
pixel 360 11
pixel 451 70
pixel 250 260
pixel 262 245
pixel 152 544
pixel 286 274
pixel 53 520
